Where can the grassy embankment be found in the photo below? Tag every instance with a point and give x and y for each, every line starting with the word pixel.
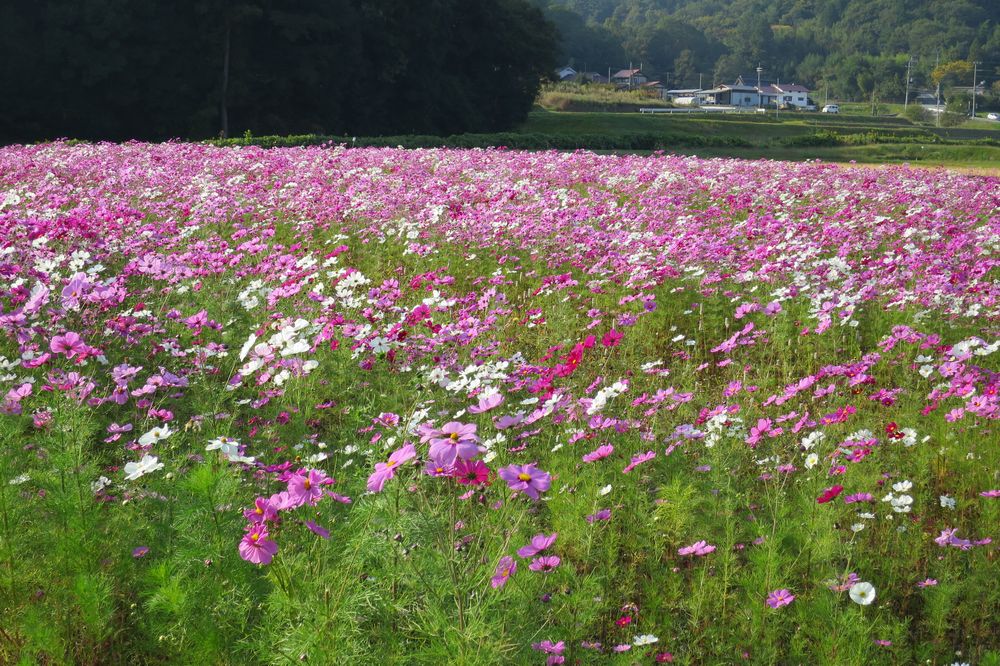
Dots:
pixel 792 136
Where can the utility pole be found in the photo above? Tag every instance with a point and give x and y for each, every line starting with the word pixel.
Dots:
pixel 937 104
pixel 699 81
pixel 906 100
pixel 975 70
pixel 759 70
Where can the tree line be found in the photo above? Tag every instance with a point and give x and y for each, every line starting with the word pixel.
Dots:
pixel 121 69
pixel 849 48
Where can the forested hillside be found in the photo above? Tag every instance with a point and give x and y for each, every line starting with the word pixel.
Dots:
pixel 847 46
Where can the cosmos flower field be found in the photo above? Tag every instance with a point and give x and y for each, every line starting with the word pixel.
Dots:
pixel 346 406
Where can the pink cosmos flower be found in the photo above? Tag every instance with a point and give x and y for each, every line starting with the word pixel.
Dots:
pixel 779 598
pixel 548 647
pixel 526 478
pixel 637 460
pixel 434 468
pixel 318 529
pixel 698 549
pixel 505 569
pixel 263 510
pixel 387 470
pixel 456 440
pixel 539 542
pixel 990 493
pixel 140 551
pixel 600 452
pixel 545 563
pixel 487 403
pixel 256 547
pixel 858 497
pixel 929 582
pixel 307 488
pixel 70 344
pixel 602 515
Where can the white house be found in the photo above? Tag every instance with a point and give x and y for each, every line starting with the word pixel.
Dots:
pixel 745 95
pixel 793 94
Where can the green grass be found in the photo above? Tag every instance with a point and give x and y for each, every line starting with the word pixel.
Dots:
pixel 766 134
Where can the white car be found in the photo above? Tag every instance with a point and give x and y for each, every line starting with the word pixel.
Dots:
pixel 831 108
pixel 993 116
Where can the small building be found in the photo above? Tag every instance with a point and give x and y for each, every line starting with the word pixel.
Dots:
pixel 791 94
pixel 675 94
pixel 655 89
pixel 629 78
pixel 566 74
pixel 731 95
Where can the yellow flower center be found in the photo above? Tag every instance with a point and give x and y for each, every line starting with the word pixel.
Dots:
pixel 254 537
pixel 524 477
pixel 454 436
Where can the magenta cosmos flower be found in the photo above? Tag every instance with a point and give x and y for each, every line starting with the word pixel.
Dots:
pixel 505 569
pixel 539 542
pixel 471 472
pixel 256 547
pixel 830 494
pixel 385 471
pixel 780 598
pixel 527 479
pixel 454 440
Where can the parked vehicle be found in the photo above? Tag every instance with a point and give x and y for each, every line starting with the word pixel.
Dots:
pixel 993 116
pixel 831 108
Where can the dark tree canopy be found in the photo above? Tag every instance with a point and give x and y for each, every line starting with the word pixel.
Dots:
pixel 119 69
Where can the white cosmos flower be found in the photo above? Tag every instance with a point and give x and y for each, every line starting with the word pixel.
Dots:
pixel 862 593
pixel 248 345
pixel 947 502
pixel 605 490
pixel 134 470
pixel 99 485
pixel 296 347
pixel 155 435
pixel 644 639
pixel 228 447
pixel 811 460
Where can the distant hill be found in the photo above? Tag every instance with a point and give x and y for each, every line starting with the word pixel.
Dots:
pixel 848 47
